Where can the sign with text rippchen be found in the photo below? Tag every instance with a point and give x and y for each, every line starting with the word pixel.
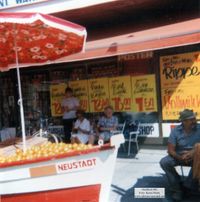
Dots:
pixel 180 78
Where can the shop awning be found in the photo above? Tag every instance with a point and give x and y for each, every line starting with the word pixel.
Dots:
pixel 173 35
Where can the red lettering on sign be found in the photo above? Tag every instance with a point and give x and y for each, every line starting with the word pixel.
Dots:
pixel 99 104
pixel 76 165
pixel 121 104
pixel 84 104
pixel 149 103
pixel 139 102
pixel 57 108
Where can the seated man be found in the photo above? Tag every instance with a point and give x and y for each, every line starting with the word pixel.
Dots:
pixel 180 152
pixel 107 124
pixel 81 128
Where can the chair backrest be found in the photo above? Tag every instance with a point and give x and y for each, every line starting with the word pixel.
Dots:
pixel 121 127
pixel 135 129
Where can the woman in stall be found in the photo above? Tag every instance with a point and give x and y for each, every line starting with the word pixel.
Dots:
pixel 81 128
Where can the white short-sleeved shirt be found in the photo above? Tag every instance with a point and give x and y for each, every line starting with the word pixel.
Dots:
pixel 70 103
pixel 84 125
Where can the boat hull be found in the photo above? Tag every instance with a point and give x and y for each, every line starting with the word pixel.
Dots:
pixel 60 176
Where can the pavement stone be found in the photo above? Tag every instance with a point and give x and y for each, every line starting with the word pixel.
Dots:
pixel 141 170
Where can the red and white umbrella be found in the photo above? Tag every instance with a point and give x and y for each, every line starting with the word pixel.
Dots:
pixel 28 39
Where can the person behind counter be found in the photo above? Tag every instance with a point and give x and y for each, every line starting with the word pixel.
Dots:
pixel 181 144
pixel 81 129
pixel 107 124
pixel 69 105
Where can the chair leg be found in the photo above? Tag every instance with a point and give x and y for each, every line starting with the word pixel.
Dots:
pixel 182 173
pixel 124 146
pixel 129 147
pixel 137 146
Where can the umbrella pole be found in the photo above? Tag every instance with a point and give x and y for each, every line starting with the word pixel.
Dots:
pixel 20 101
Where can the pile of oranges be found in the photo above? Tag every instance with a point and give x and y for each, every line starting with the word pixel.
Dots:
pixel 45 150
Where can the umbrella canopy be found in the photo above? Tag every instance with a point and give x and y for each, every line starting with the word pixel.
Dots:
pixel 28 39
pixel 38 39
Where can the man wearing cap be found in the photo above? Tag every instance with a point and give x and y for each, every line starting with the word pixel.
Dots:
pixel 180 152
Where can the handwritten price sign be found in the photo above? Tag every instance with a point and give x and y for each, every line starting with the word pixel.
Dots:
pixel 57 93
pixel 144 93
pixel 120 93
pixel 80 89
pixel 98 94
pixel 179 83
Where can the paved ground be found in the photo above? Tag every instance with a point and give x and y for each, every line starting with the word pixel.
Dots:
pixel 141 170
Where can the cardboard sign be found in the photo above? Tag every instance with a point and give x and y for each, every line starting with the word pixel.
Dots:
pixel 80 90
pixel 98 94
pixel 120 93
pixel 179 83
pixel 144 93
pixel 57 93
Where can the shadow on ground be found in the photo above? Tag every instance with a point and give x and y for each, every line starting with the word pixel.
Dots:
pixel 123 152
pixel 149 182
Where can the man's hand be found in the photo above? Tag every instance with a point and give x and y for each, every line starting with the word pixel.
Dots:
pixel 187 156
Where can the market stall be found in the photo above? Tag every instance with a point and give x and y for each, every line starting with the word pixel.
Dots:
pixel 82 175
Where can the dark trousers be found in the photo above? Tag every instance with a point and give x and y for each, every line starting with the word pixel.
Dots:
pixel 168 164
pixel 68 124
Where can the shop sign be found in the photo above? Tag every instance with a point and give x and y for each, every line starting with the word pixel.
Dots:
pixel 120 93
pixel 144 93
pixel 136 56
pixel 180 78
pixel 149 129
pixel 14 3
pixel 80 90
pixel 98 94
pixel 57 93
pixel 76 165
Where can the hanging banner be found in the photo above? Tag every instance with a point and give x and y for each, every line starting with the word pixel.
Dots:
pixel 180 78
pixel 144 93
pixel 98 94
pixel 120 93
pixel 80 90
pixel 57 93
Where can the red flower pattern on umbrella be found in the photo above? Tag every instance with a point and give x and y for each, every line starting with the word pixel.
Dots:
pixel 36 39
pixel 36 42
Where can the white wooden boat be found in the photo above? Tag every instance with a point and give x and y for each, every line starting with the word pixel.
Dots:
pixel 73 177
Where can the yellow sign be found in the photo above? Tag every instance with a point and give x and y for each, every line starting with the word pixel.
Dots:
pixel 80 90
pixel 120 93
pixel 144 93
pixel 57 92
pixel 175 100
pixel 98 94
pixel 180 78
